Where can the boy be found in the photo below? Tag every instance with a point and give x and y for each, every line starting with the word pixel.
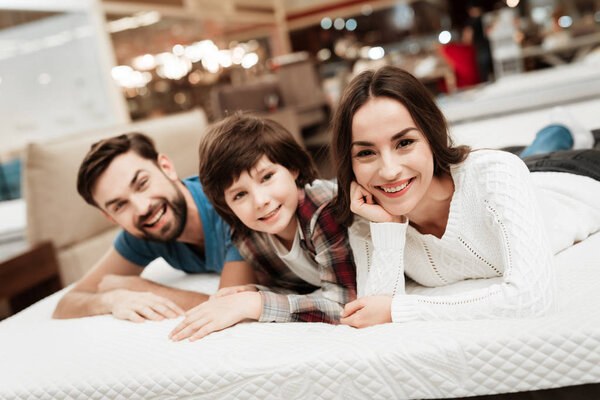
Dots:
pixel 263 185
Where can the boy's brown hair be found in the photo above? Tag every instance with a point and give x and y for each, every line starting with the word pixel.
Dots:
pixel 234 146
pixel 103 152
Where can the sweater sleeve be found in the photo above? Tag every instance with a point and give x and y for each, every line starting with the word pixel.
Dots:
pixel 504 189
pixel 337 273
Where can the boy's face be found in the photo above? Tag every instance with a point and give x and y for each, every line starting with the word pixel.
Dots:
pixel 266 199
pixel 142 197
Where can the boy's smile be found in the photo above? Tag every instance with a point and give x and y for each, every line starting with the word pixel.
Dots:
pixel 265 199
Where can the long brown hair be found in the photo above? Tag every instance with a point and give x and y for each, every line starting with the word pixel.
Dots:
pixel 396 84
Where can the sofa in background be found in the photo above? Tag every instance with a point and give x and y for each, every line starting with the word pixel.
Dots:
pixel 56 212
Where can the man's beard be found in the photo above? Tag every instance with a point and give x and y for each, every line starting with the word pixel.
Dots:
pixel 174 228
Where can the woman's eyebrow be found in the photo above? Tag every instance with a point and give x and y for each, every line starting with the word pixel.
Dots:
pixel 402 133
pixel 393 138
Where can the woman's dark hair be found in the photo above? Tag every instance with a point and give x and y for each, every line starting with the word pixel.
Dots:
pixel 234 146
pixel 396 84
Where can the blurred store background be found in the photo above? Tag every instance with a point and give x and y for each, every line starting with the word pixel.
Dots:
pixel 68 67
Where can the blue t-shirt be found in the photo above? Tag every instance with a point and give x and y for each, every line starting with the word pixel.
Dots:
pixel 218 248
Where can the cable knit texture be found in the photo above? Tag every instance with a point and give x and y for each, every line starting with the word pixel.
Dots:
pixel 499 224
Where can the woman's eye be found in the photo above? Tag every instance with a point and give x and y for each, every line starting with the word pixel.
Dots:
pixel 404 143
pixel 119 206
pixel 364 153
pixel 142 183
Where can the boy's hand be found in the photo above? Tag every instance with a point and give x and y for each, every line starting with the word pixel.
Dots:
pixel 217 314
pixel 226 291
pixel 363 203
pixel 367 311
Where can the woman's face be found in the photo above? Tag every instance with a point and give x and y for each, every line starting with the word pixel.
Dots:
pixel 391 158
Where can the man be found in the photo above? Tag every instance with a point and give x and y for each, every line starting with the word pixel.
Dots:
pixel 161 216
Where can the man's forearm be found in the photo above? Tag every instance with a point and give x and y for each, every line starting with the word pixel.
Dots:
pixel 183 298
pixel 75 304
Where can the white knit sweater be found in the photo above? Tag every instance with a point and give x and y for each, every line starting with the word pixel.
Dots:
pixel 503 221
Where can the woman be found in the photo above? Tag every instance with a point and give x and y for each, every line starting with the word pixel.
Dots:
pixel 439 213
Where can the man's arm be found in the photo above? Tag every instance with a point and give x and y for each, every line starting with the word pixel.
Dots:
pixel 113 286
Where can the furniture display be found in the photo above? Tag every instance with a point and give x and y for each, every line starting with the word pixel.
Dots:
pixel 56 212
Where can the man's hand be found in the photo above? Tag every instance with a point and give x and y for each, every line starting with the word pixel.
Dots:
pixel 363 203
pixel 139 306
pixel 367 311
pixel 226 291
pixel 216 314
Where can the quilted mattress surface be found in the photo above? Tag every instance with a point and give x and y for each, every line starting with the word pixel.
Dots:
pixel 105 358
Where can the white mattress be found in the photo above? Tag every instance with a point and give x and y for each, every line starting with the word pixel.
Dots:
pixel 104 358
pixel 563 84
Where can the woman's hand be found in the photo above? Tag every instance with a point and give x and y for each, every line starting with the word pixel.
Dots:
pixel 363 203
pixel 217 314
pixel 367 311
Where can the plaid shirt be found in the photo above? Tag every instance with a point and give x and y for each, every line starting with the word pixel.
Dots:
pixel 285 296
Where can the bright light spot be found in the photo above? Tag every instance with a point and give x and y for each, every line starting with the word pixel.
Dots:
pixel 120 72
pixel 539 15
pixel 252 45
pixel 366 10
pixel 127 77
pixel 148 18
pixel 144 63
pixel 193 52
pixel 351 24
pixel 339 24
pixel 44 78
pixel 140 19
pixel 225 58
pixel 375 53
pixel 178 50
pixel 172 67
pixel 404 16
pixel 512 3
pixel 0 80
pixel 351 52
pixel 565 21
pixel 445 37
pixel 326 23
pixel 324 54
pixel 195 77
pixel 250 60
pixel 364 51
pixel 237 54
pixel 211 64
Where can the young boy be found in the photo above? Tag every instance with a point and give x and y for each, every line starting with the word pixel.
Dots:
pixel 263 185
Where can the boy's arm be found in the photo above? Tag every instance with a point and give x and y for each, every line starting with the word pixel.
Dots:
pixel 236 273
pixel 113 286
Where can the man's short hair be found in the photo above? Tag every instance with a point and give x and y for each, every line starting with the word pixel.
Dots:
pixel 234 146
pixel 103 152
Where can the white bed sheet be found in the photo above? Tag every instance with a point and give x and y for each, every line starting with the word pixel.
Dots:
pixel 105 358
